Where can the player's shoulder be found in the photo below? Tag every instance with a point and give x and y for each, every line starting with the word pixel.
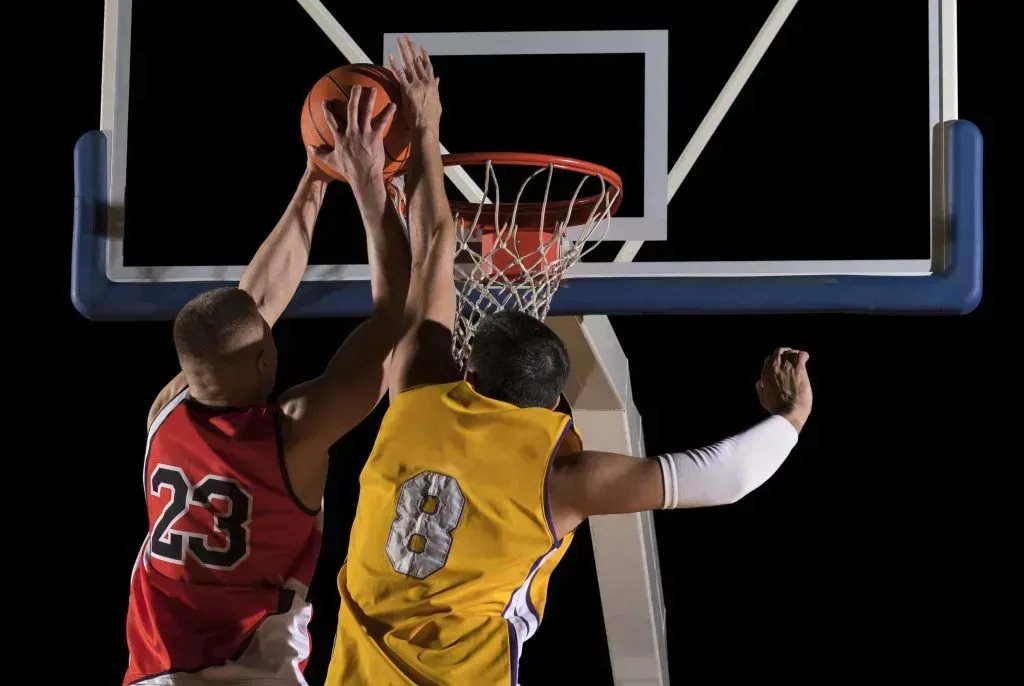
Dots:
pixel 168 397
pixel 430 392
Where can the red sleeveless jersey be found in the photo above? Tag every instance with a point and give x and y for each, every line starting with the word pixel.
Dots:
pixel 218 592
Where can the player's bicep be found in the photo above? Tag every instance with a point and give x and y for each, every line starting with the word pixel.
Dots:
pixel 173 388
pixel 595 483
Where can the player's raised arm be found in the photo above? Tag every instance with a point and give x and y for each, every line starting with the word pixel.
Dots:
pixel 275 271
pixel 424 353
pixel 595 483
pixel 319 412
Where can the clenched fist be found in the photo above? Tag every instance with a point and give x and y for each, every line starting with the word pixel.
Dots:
pixel 784 387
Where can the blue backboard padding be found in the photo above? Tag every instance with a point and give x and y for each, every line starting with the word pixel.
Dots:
pixel 956 290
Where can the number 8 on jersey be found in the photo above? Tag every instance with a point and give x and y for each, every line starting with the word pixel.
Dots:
pixel 428 511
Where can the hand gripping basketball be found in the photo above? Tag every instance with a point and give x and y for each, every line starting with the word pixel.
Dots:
pixel 358 152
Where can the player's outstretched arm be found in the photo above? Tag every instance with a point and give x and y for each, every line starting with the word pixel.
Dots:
pixel 319 412
pixel 423 355
pixel 594 483
pixel 275 271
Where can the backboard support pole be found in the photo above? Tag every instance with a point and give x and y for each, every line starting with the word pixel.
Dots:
pixel 625 549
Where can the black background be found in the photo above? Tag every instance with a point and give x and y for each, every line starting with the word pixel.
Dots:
pixel 876 546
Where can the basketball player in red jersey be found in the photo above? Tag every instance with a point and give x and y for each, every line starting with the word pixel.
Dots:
pixel 477 481
pixel 234 484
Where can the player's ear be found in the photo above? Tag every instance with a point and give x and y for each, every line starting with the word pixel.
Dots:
pixel 263 362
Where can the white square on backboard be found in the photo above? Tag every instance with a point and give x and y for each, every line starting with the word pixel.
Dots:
pixel 653 225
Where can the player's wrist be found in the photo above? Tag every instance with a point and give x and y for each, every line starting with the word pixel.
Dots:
pixel 796 414
pixel 372 198
pixel 315 174
pixel 369 186
pixel 427 131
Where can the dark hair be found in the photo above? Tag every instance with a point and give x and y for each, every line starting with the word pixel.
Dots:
pixel 519 360
pixel 213 324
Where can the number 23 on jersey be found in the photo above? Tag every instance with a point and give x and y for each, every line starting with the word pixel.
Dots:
pixel 230 519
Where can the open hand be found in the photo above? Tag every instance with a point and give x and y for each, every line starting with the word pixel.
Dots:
pixel 421 103
pixel 358 152
pixel 784 387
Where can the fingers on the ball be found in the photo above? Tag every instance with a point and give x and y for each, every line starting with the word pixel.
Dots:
pixel 314 152
pixel 366 107
pixel 332 121
pixel 383 120
pixel 355 98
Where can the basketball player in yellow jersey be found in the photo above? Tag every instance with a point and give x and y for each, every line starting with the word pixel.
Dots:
pixel 476 484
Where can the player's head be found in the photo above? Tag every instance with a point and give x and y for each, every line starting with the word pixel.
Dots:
pixel 519 360
pixel 225 347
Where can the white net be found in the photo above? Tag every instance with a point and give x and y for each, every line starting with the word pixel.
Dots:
pixel 514 257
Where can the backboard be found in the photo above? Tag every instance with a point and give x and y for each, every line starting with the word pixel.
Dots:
pixel 778 157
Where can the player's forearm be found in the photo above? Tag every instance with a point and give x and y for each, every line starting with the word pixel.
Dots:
pixel 276 270
pixel 429 213
pixel 723 473
pixel 431 234
pixel 387 249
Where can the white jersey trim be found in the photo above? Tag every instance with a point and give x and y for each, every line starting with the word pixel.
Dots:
pixel 164 413
pixel 143 555
pixel 520 613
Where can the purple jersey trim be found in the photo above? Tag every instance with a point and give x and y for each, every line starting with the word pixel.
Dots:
pixel 547 474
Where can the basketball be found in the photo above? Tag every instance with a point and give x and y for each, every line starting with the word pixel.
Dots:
pixel 336 86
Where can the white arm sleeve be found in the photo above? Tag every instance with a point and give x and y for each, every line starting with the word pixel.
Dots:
pixel 728 470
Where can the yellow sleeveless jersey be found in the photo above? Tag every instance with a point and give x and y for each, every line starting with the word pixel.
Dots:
pixel 452 547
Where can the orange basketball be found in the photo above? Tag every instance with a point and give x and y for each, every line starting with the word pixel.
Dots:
pixel 336 86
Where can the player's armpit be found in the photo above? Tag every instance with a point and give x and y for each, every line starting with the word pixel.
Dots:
pixel 320 411
pixel 594 483
pixel 173 388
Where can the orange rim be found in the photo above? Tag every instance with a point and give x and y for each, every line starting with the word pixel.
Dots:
pixel 529 213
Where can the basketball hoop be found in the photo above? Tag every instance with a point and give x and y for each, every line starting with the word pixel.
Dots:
pixel 515 255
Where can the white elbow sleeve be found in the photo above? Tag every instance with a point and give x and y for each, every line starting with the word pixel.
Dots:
pixel 726 471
